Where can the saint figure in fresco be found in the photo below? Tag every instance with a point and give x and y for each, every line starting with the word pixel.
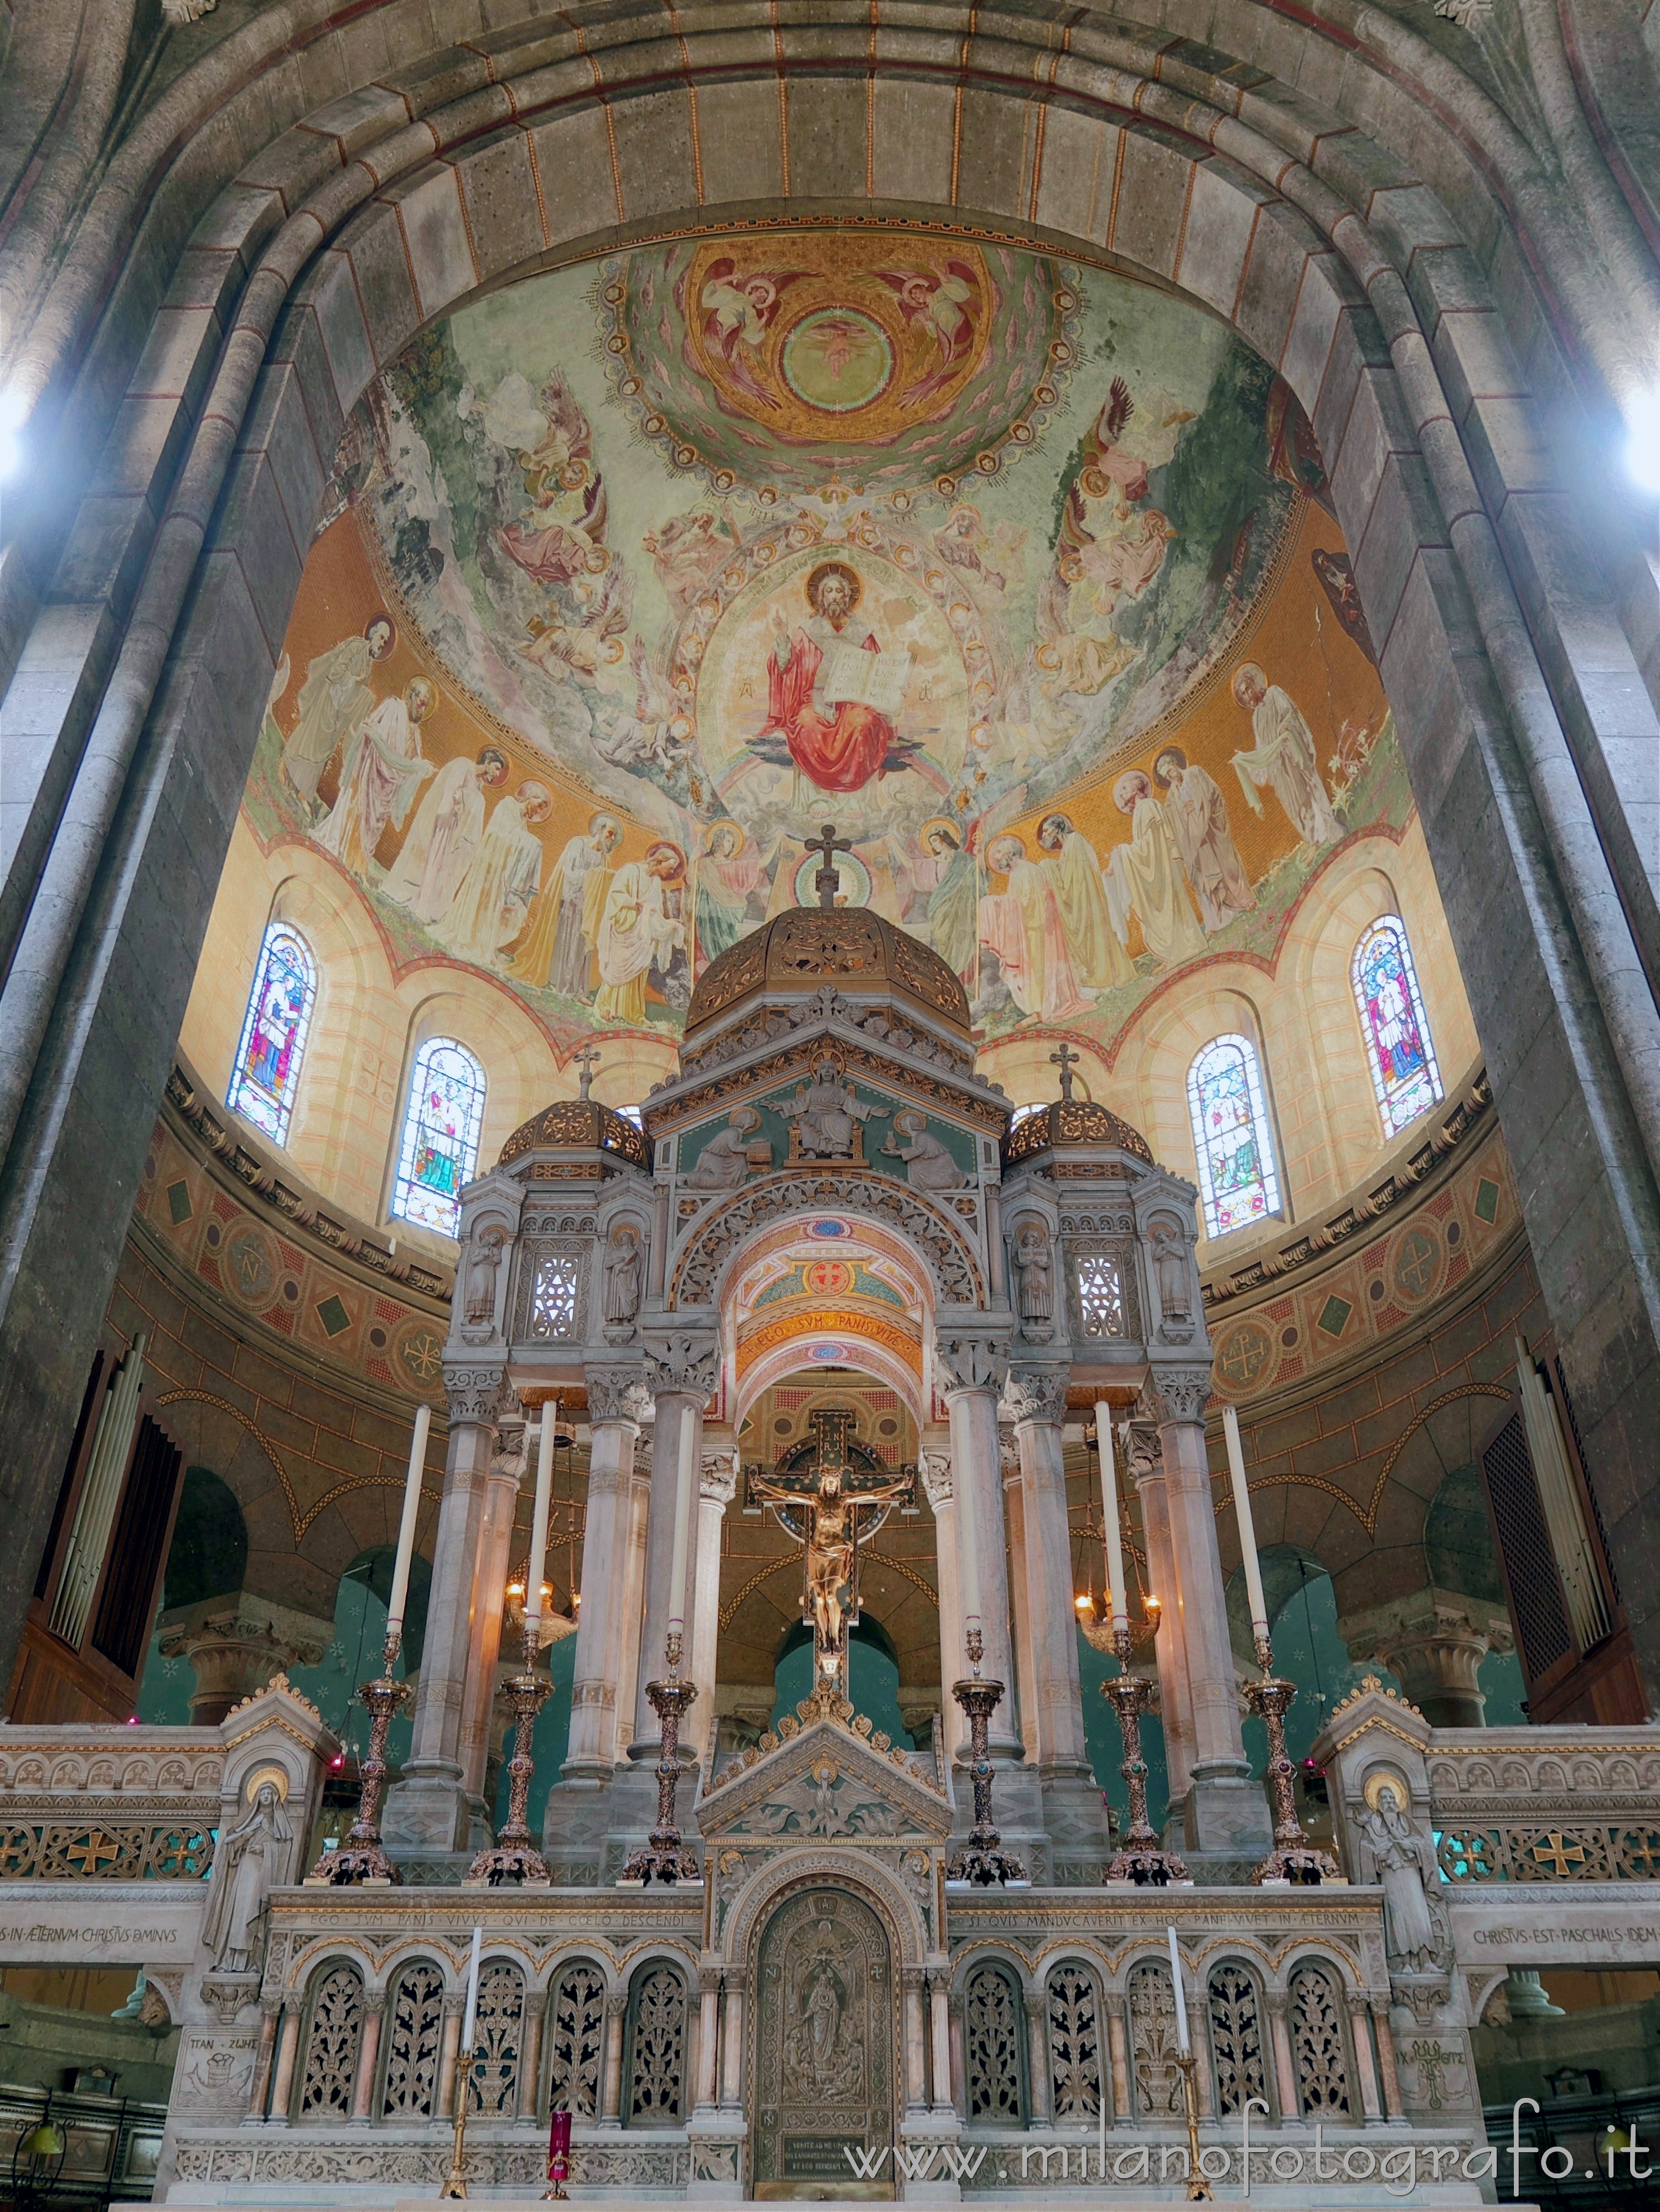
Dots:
pixel 1024 927
pixel 1284 757
pixel 556 951
pixel 731 872
pixel 1198 815
pixel 1146 878
pixel 444 835
pixel 637 930
pixel 333 700
pixel 835 718
pixel 502 878
pixel 381 769
pixel 1098 960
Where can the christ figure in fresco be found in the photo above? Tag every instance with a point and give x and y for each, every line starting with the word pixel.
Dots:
pixel 382 769
pixel 836 720
pixel 1283 758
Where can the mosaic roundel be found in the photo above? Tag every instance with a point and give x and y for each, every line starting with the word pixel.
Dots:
pixel 1417 1263
pixel 1243 1354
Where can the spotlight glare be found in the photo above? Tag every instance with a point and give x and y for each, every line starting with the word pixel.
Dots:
pixel 14 413
pixel 1642 443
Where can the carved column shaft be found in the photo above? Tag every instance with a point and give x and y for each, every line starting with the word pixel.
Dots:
pixel 489 1597
pixel 1285 2064
pixel 611 2087
pixel 259 2086
pixel 709 2041
pixel 1054 1697
pixel 671 1405
pixel 626 1630
pixel 937 1482
pixel 449 2052
pixel 732 2069
pixel 1021 1619
pixel 1037 2056
pixel 530 2058
pixel 591 1751
pixel 368 2052
pixel 916 2059
pixel 1361 2032
pixel 1393 2107
pixel 716 1486
pixel 1118 2051
pixel 976 1472
pixel 287 2051
pixel 1175 1705
pixel 940 2056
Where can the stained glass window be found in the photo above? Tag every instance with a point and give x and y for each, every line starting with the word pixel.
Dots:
pixel 1237 1180
pixel 274 1030
pixel 1399 1050
pixel 439 1155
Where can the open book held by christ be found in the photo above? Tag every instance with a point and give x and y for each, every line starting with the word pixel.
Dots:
pixel 876 680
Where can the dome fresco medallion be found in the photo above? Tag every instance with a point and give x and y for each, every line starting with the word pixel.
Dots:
pixel 633 573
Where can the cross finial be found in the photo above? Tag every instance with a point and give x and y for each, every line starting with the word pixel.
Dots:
pixel 1065 1060
pixel 827 845
pixel 587 1061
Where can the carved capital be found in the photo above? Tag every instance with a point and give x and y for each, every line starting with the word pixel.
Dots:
pixel 718 1476
pixel 935 1467
pixel 1179 1394
pixel 616 1394
pixel 474 1394
pixel 617 2003
pixel 1036 1394
pixel 1358 2002
pixel 972 1363
pixel 683 1366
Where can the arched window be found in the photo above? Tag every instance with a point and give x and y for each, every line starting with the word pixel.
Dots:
pixel 1316 2042
pixel 1399 1050
pixel 1238 1179
pixel 439 1149
pixel 274 1030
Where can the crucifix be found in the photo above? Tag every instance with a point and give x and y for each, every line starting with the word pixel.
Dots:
pixel 827 845
pixel 587 1062
pixel 1065 1060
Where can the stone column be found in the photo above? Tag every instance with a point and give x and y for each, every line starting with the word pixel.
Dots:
pixel 1434 1640
pixel 613 1431
pixel 1123 2110
pixel 369 2051
pixel 507 1469
pixel 427 1809
pixel 732 2071
pixel 259 2086
pixel 1037 2056
pixel 959 2076
pixel 628 1630
pixel 449 2053
pixel 1393 2107
pixel 1227 1811
pixel 916 2059
pixel 939 2054
pixel 1285 2065
pixel 1020 1624
pixel 680 1373
pixel 1175 1707
pixel 708 2036
pixel 1360 2036
pixel 235 1644
pixel 1052 1697
pixel 287 2052
pixel 717 1482
pixel 610 2097
pixel 935 1467
pixel 973 1371
pixel 530 2058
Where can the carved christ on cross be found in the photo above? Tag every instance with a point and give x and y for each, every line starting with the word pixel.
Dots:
pixel 832 1540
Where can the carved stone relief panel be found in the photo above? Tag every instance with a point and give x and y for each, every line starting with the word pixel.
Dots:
pixel 825 2040
pixel 414 2030
pixel 1158 2091
pixel 1316 2037
pixel 1075 2017
pixel 992 2028
pixel 1236 2037
pixel 578 2040
pixel 548 1297
pixel 1106 1305
pixel 337 2031
pixel 494 2082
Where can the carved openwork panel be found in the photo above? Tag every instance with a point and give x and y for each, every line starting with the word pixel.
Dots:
pixel 415 2029
pixel 1105 1305
pixel 992 2016
pixel 548 1308
pixel 824 2038
pixel 1316 2041
pixel 657 2049
pixel 100 1851
pixel 578 2040
pixel 1236 2037
pixel 499 2036
pixel 1074 2017
pixel 1158 2093
pixel 331 2046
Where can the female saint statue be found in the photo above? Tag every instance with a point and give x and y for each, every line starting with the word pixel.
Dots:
pixel 252 1858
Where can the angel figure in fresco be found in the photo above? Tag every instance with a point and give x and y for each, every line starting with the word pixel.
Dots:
pixel 590 612
pixel 1198 815
pixel 938 890
pixel 739 311
pixel 689 552
pixel 836 720
pixel 381 769
pixel 557 951
pixel 1080 651
pixel 1284 757
pixel 637 931
pixel 444 835
pixel 333 701
pixel 1022 925
pixel 938 306
pixel 494 897
pixel 1098 960
pixel 731 882
pixel 1145 877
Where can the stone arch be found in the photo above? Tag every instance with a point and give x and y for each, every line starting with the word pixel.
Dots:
pixel 1216 192
pixel 937 1245
pixel 766 1889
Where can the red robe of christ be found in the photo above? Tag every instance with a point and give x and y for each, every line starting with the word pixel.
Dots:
pixel 841 755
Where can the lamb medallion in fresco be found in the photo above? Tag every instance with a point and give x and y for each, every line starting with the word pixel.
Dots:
pixel 632 575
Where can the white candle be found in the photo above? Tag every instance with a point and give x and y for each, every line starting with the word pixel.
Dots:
pixel 472 2015
pixel 1118 1602
pixel 1181 2000
pixel 1259 1611
pixel 684 1478
pixel 539 1521
pixel 400 1572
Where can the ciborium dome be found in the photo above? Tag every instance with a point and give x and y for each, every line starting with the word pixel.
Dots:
pixel 850 950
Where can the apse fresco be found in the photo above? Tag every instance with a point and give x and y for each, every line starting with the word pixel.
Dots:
pixel 632 574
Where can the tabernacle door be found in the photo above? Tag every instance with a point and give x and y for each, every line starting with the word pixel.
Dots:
pixel 826 2037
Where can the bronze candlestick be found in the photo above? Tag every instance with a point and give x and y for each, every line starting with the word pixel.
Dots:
pixel 362 1857
pixel 983 1862
pixel 1293 1858
pixel 1142 1858
pixel 455 2183
pixel 1198 2187
pixel 514 1856
pixel 664 1858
